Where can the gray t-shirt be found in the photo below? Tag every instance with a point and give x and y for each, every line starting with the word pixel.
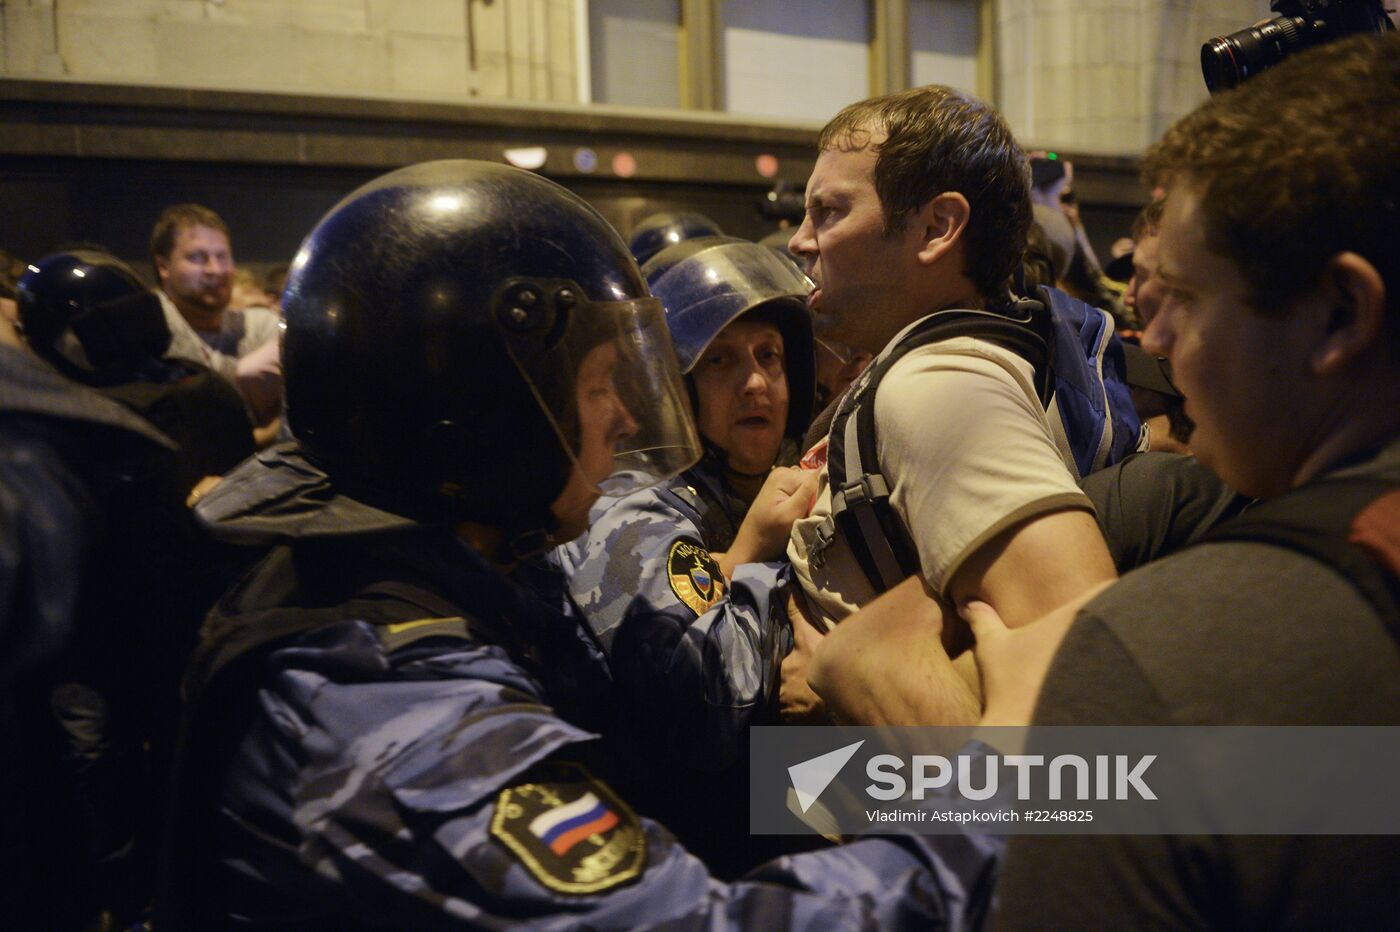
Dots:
pixel 241 333
pixel 1222 634
pixel 1151 505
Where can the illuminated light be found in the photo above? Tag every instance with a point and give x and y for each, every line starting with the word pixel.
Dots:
pixel 300 259
pixel 531 158
pixel 33 268
pixel 585 160
pixel 767 165
pixel 624 165
pixel 1052 156
pixel 77 273
pixel 445 203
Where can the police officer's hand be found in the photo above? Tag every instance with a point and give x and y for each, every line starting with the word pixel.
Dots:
pixel 797 702
pixel 786 496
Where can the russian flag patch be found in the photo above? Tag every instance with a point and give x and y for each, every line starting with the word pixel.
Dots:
pixel 568 825
pixel 569 830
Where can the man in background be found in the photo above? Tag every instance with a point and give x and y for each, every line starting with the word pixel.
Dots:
pixel 194 267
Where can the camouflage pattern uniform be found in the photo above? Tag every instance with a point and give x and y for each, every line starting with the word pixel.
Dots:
pixel 695 656
pixel 404 765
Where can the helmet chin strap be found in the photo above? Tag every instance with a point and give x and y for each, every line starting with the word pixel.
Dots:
pixel 788 454
pixel 719 455
pixel 744 475
pixel 530 538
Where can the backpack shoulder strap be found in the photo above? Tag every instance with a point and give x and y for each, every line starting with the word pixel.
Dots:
pixel 860 495
pixel 1348 524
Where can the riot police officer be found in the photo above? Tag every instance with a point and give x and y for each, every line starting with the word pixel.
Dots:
pixel 91 729
pixel 669 578
pixel 385 730
pixel 662 230
pixel 88 315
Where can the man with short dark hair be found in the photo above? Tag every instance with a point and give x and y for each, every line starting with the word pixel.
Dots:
pixel 193 262
pixel 1157 401
pixel 919 203
pixel 1139 297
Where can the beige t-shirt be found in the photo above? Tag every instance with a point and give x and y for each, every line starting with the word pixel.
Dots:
pixel 967 452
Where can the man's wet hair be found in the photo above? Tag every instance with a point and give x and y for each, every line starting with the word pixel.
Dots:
pixel 939 139
pixel 1296 165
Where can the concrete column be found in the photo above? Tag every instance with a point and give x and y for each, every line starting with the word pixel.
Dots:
pixel 702 67
pixel 1108 76
pixel 889 47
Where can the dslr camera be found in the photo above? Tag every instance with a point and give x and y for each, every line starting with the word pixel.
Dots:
pixel 1228 60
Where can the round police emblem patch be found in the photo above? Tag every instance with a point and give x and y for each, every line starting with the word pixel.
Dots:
pixel 570 831
pixel 695 576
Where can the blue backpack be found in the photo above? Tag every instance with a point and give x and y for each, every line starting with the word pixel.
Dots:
pixel 1081 381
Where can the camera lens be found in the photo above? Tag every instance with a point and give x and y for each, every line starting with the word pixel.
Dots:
pixel 1228 60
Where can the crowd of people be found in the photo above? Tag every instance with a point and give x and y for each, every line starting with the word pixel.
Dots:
pixel 441 587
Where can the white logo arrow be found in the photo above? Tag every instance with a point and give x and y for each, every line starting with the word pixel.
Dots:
pixel 811 777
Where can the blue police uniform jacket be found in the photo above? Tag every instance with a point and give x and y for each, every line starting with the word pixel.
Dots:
pixel 424 756
pixel 695 655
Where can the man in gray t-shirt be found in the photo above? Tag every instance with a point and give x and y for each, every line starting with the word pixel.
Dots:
pixel 1281 319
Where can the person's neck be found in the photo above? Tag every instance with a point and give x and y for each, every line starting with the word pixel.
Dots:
pixel 1356 419
pixel 964 298
pixel 745 485
pixel 1350 443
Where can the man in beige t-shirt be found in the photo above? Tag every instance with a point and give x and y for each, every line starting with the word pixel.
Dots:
pixel 919 202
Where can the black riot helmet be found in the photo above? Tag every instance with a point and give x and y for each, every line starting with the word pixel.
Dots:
pixel 659 231
pixel 448 327
pixel 708 283
pixel 88 314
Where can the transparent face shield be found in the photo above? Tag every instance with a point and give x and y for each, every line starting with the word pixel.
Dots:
pixel 708 290
pixel 605 375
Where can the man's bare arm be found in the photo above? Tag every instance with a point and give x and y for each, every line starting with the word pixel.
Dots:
pixel 1036 566
pixel 886 665
pixel 1012 664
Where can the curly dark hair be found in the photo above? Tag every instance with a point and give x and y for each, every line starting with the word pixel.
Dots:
pixel 938 139
pixel 1296 165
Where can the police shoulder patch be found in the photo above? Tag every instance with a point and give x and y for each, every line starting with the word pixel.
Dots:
pixel 695 576
pixel 570 830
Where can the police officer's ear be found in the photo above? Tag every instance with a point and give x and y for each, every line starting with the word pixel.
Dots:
pixel 1351 301
pixel 942 222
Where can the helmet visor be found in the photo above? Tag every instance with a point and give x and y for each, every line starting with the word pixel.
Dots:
pixel 605 375
pixel 706 291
